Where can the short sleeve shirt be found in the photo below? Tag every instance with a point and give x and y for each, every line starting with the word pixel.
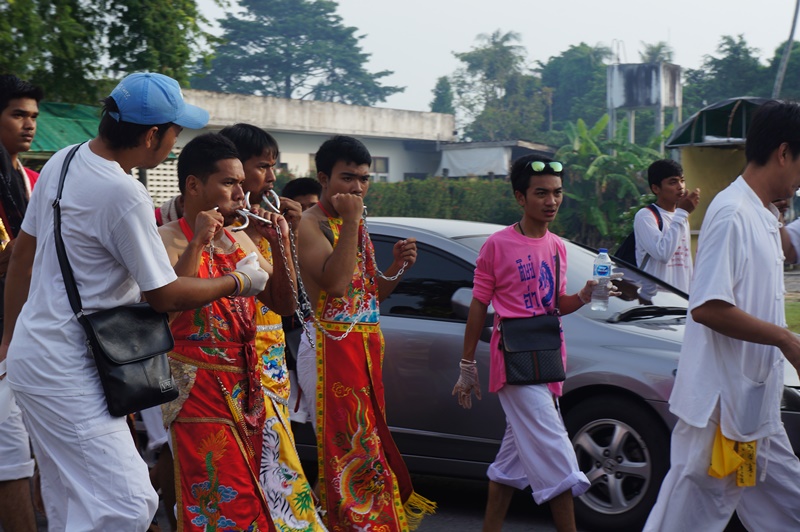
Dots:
pixel 115 252
pixel 516 274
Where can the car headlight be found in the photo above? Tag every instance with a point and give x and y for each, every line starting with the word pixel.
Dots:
pixel 791 399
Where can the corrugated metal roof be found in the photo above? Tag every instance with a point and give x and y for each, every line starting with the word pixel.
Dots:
pixel 62 124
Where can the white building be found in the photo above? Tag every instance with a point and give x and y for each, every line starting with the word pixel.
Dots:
pixel 403 144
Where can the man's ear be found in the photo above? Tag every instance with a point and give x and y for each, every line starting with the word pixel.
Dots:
pixel 151 137
pixel 322 177
pixel 520 197
pixel 192 184
pixel 655 189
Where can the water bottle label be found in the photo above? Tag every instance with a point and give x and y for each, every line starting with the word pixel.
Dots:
pixel 602 270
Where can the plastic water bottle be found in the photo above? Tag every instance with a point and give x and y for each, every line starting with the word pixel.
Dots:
pixel 602 274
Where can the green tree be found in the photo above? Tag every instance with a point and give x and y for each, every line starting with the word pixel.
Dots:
pixel 602 179
pixel 660 52
pixel 20 31
pixel 791 82
pixel 485 71
pixel 443 97
pixel 737 71
pixel 498 98
pixel 72 47
pixel 578 79
pixel 293 49
pixel 50 42
pixel 157 36
pixel 517 114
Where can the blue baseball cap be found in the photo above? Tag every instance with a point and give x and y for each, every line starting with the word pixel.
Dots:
pixel 150 99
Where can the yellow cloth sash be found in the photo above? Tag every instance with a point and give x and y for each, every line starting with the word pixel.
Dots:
pixel 728 456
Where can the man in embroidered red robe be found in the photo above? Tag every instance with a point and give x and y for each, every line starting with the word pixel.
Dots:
pixel 216 423
pixel 364 483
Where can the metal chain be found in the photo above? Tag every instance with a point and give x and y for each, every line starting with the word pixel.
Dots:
pixel 372 251
pixel 301 295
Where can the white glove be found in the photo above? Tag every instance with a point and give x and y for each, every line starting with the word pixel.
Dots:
pixel 467 383
pixel 255 279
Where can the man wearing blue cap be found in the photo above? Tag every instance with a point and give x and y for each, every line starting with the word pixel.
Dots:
pixel 92 475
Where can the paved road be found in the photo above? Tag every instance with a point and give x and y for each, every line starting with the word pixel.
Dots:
pixel 462 502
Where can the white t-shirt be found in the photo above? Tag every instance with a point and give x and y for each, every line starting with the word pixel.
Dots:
pixel 739 261
pixel 670 250
pixel 109 231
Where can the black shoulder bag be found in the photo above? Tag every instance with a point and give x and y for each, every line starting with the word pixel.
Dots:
pixel 129 343
pixel 532 346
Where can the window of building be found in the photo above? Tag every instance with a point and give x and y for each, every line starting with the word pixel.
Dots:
pixel 380 165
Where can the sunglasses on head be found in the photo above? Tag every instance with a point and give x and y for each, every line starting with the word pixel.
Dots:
pixel 539 166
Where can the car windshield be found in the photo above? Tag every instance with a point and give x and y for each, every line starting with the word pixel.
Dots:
pixel 638 288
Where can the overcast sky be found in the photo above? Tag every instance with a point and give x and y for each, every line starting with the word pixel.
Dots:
pixel 416 38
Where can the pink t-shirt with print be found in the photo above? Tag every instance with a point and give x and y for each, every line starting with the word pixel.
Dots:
pixel 516 274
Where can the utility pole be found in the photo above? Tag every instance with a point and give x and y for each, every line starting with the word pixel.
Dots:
pixel 776 90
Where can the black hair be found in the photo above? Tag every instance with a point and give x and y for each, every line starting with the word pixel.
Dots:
pixel 341 148
pixel 120 135
pixel 251 141
pixel 301 186
pixel 521 172
pixel 200 156
pixel 11 88
pixel 774 123
pixel 661 170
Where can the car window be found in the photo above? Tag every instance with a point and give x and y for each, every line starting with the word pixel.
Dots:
pixel 424 290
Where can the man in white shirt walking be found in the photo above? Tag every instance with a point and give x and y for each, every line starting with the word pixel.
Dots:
pixel 665 252
pixel 729 449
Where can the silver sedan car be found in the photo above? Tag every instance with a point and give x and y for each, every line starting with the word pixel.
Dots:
pixel 621 368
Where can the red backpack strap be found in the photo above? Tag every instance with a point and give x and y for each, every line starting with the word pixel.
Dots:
pixel 657 214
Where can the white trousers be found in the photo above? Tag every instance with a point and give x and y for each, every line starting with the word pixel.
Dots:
pixel 536 450
pixel 92 475
pixel 307 378
pixel 153 422
pixel 690 499
pixel 16 461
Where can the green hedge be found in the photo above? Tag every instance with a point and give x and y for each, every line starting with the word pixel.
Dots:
pixel 476 200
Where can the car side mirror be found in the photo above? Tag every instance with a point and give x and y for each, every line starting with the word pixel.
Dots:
pixel 461 301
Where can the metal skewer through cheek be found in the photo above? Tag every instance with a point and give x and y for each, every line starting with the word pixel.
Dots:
pixel 273 201
pixel 246 214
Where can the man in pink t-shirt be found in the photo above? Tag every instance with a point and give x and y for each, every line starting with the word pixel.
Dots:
pixel 515 272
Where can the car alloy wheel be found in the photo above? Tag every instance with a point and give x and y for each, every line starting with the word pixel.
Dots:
pixel 624 451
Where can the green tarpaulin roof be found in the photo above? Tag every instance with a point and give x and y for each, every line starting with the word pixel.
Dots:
pixel 62 124
pixel 719 124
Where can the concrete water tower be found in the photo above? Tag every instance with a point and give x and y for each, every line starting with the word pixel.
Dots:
pixel 643 86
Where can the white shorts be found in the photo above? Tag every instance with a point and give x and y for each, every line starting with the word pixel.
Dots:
pixel 691 499
pixel 16 461
pixel 92 475
pixel 536 450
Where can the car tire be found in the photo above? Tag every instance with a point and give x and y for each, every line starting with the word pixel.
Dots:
pixel 623 448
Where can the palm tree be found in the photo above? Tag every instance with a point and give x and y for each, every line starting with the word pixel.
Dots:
pixel 602 179
pixel 660 52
